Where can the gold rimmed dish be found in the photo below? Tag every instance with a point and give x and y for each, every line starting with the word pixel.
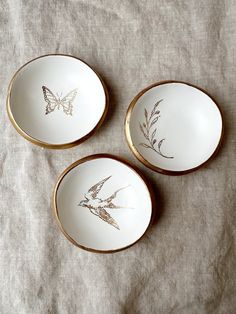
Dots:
pixel 56 101
pixel 102 203
pixel 174 127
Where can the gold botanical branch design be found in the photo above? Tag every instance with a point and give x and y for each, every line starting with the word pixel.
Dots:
pixel 148 129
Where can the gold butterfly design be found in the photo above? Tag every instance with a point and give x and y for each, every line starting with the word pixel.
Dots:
pixel 54 102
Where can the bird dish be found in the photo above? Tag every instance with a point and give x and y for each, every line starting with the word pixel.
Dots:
pixel 173 127
pixel 102 203
pixel 56 101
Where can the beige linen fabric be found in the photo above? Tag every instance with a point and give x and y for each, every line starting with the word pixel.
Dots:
pixel 186 262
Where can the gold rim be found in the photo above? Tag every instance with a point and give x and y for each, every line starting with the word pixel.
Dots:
pixel 92 157
pixel 45 144
pixel 134 149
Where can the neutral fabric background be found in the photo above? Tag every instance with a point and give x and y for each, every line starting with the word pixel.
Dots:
pixel 186 262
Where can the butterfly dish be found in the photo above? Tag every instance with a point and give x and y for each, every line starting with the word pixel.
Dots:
pixel 54 102
pixel 54 90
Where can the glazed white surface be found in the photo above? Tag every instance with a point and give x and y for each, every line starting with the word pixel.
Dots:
pixel 88 229
pixel 61 74
pixel 190 123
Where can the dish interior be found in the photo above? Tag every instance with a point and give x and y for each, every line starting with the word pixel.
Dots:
pixel 181 132
pixel 102 184
pixel 77 104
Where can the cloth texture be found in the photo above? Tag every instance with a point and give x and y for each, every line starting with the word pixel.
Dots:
pixel 186 262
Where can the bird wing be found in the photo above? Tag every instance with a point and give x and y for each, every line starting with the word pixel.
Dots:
pixel 95 189
pixel 104 215
pixel 110 198
pixel 111 205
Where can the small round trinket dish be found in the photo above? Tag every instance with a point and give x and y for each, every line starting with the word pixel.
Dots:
pixel 56 101
pixel 102 204
pixel 173 127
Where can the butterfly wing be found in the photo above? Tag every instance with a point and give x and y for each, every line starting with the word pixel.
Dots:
pixel 66 101
pixel 50 99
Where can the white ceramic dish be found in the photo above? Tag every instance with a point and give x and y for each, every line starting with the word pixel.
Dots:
pixel 173 127
pixel 56 101
pixel 102 204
